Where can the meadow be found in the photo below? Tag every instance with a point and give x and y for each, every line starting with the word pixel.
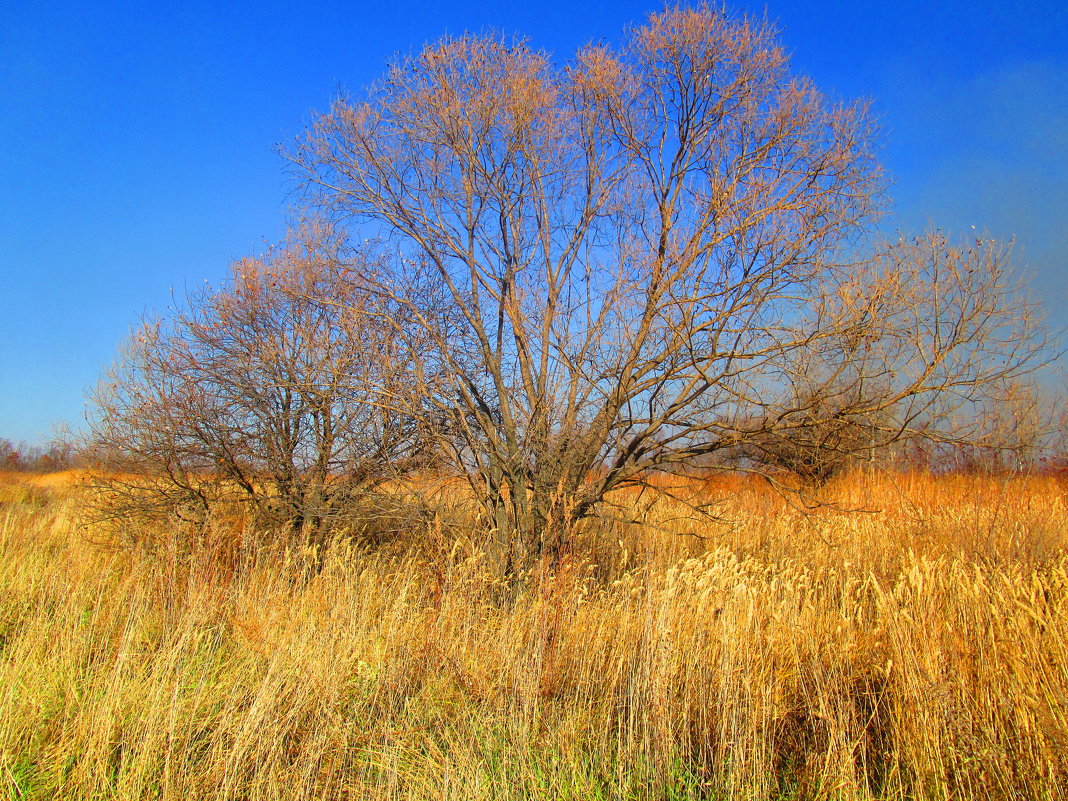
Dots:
pixel 915 649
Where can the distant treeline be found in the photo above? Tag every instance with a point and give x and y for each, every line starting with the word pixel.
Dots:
pixel 22 456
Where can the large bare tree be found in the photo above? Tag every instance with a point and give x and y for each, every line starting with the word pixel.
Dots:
pixel 653 255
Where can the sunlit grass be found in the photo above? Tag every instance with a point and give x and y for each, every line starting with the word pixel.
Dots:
pixel 918 649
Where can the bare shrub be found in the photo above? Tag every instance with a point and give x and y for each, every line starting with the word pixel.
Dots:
pixel 259 399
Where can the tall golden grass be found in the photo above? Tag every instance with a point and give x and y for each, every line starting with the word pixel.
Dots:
pixel 915 650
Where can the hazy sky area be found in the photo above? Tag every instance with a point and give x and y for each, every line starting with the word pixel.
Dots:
pixel 136 140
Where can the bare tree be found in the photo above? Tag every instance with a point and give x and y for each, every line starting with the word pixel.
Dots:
pixel 1015 431
pixel 650 250
pixel 927 340
pixel 262 396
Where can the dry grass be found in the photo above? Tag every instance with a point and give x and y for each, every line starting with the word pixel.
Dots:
pixel 916 651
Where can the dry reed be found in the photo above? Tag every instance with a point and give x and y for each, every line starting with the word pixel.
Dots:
pixel 915 650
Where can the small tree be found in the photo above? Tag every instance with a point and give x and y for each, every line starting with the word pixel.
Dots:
pixel 648 250
pixel 1020 426
pixel 10 455
pixel 261 395
pixel 813 441
pixel 928 341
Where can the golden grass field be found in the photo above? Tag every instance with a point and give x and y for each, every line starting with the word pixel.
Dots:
pixel 915 650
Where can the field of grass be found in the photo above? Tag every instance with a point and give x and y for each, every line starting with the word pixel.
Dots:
pixel 915 650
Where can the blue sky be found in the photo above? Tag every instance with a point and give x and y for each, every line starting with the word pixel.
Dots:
pixel 136 140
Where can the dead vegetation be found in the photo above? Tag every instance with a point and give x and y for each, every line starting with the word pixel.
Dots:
pixel 917 651
pixel 570 484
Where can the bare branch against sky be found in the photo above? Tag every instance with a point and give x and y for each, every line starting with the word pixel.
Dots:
pixel 136 140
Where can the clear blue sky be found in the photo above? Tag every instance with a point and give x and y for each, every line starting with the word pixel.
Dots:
pixel 136 139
